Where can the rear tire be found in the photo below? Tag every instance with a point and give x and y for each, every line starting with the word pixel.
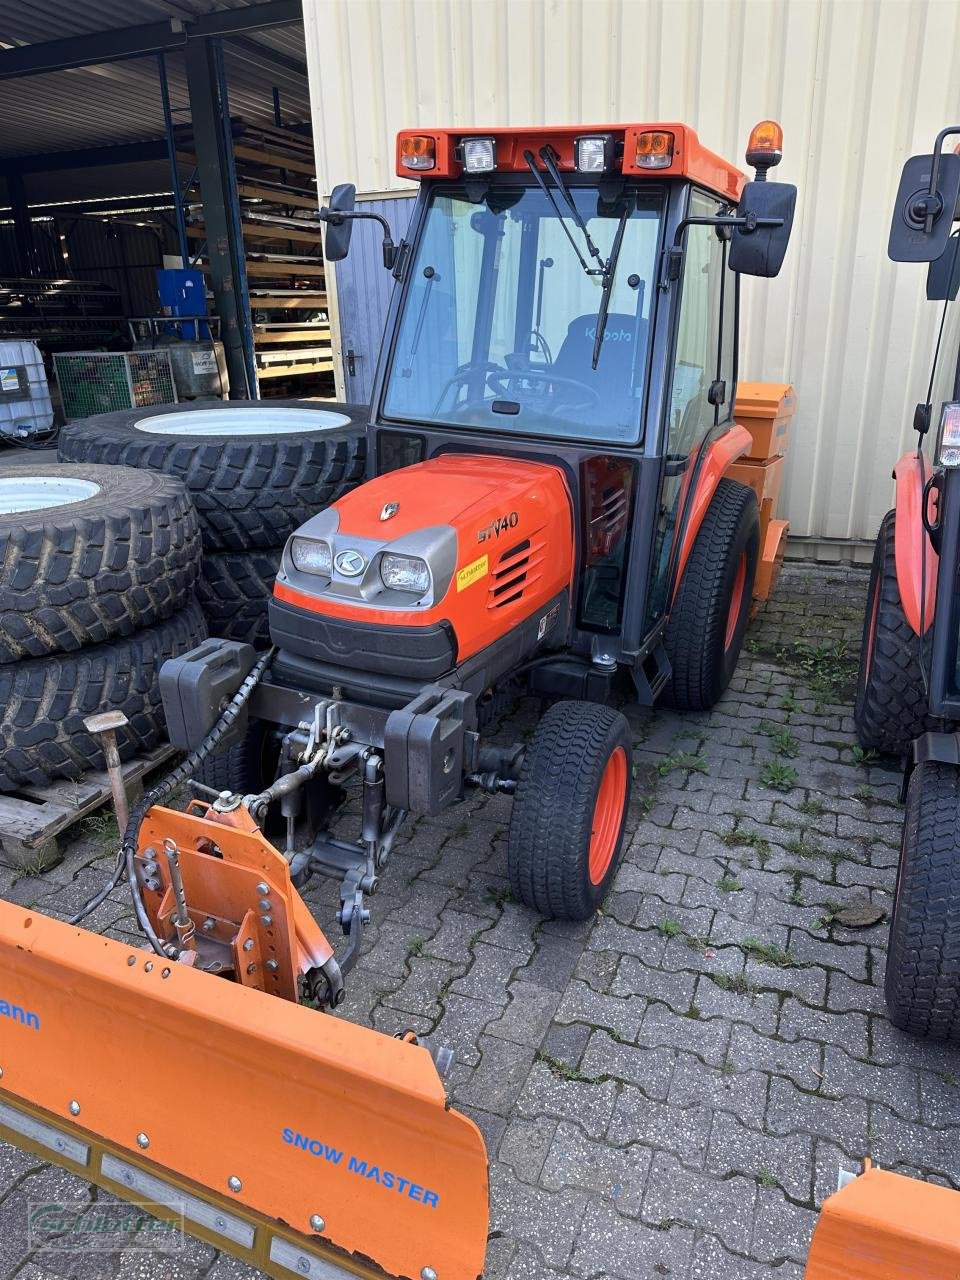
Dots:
pixel 923 961
pixel 709 615
pixel 250 490
pixel 891 705
pixel 570 810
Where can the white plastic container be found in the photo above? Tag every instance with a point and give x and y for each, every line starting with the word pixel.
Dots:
pixel 26 409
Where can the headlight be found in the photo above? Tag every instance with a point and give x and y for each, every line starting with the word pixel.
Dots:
pixel 479 155
pixel 950 434
pixel 311 557
pixel 405 573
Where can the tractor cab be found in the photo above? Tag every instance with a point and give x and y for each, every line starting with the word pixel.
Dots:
pixel 571 296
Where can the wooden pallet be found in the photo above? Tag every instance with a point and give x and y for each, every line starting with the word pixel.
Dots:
pixel 32 819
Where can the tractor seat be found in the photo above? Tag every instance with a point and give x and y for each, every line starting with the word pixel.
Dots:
pixel 614 372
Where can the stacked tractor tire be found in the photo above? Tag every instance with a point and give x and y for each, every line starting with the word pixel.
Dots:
pixel 152 532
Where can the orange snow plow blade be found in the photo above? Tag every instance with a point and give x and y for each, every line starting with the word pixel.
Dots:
pixel 302 1143
pixel 883 1226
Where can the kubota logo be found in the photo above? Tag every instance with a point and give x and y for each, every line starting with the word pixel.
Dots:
pixel 496 527
pixel 17 1014
pixel 350 563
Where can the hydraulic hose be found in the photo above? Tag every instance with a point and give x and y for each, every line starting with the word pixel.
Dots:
pixel 186 769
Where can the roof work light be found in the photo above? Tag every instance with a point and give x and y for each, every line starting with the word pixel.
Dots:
pixel 655 149
pixel 418 151
pixel 479 155
pixel 950 434
pixel 593 153
pixel 765 148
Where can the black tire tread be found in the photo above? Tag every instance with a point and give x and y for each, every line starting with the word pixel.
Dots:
pixel 235 589
pixel 891 706
pixel 250 491
pixel 923 961
pixel 553 808
pixel 95 570
pixel 695 633
pixel 43 701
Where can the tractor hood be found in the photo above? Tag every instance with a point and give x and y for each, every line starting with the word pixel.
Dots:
pixel 467 542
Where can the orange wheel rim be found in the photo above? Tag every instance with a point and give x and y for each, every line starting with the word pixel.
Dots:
pixel 736 602
pixel 608 815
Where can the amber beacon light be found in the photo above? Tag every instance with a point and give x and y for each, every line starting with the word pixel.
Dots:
pixel 765 148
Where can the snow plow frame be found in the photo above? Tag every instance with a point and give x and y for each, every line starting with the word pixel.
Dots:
pixel 290 1131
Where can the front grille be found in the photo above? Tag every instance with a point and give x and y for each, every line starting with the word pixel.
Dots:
pixel 516 570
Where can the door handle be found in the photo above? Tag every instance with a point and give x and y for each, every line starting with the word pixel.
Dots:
pixel 352 359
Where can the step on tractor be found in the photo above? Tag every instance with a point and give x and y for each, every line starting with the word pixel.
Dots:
pixel 908 698
pixel 547 511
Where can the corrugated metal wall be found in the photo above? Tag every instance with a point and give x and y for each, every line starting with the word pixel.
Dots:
pixel 858 85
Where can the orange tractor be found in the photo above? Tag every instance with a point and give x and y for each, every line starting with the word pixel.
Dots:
pixel 908 698
pixel 547 511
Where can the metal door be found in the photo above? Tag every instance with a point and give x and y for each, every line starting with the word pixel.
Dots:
pixel 363 294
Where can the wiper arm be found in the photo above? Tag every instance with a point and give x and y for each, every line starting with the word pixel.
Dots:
pixel 609 273
pixel 547 156
pixel 532 166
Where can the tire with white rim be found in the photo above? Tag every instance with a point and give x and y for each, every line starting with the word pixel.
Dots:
pixel 89 554
pixel 44 701
pixel 256 470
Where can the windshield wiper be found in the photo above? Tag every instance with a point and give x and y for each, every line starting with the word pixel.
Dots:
pixel 549 159
pixel 609 273
pixel 532 166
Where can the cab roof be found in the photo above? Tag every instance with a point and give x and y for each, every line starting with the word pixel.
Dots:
pixel 689 158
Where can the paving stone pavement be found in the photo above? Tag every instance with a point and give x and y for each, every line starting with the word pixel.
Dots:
pixel 669 1090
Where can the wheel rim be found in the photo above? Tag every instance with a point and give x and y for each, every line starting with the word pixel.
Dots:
pixel 736 602
pixel 259 420
pixel 608 815
pixel 38 493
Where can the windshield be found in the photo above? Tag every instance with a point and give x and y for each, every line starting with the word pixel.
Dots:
pixel 500 318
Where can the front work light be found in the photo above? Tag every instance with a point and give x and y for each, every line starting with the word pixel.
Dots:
pixel 654 149
pixel 950 434
pixel 418 151
pixel 479 155
pixel 594 153
pixel 405 573
pixel 311 557
pixel 765 148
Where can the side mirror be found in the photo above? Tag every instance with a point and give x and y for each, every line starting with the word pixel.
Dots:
pixel 337 232
pixel 760 251
pixel 943 275
pixel 922 218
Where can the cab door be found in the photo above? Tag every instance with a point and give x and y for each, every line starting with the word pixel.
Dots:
pixel 703 388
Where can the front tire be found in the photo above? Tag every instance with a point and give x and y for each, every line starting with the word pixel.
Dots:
pixel 570 810
pixel 923 960
pixel 709 615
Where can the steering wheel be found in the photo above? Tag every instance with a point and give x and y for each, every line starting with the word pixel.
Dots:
pixel 466 371
pixel 573 395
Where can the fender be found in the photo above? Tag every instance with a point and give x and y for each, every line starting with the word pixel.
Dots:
pixel 707 474
pixel 917 561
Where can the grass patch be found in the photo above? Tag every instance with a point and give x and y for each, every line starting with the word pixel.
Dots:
pixel 738 983
pixel 562 1070
pixel 812 808
pixel 740 839
pixel 729 884
pixel 778 777
pixel 767 953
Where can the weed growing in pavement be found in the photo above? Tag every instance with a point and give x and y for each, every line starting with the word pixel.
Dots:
pixel 726 1067
pixel 416 946
pixel 729 884
pixel 863 756
pixel 778 777
pixel 767 953
pixel 812 808
pixel 766 1179
pixel 789 703
pixel 500 897
pixel 826 669
pixel 562 1070
pixel 669 928
pixel 697 942
pixel 740 839
pixel 682 760
pixel 693 1012
pixel 737 982
pixel 784 743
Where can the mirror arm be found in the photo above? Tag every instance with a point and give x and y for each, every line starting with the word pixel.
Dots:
pixel 933 205
pixel 747 222
pixel 336 218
